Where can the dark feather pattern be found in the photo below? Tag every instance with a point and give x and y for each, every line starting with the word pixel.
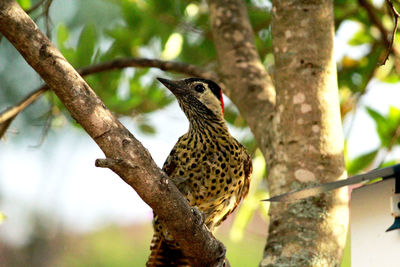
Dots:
pixel 209 167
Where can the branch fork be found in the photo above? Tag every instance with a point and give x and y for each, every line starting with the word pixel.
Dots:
pixel 142 174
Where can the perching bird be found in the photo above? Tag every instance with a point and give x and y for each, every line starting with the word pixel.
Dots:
pixel 209 167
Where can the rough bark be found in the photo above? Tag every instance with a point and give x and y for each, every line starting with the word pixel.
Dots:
pixel 300 136
pixel 246 80
pixel 125 154
pixel 308 141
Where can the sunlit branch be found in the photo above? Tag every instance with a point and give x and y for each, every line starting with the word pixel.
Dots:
pixel 396 24
pixel 117 64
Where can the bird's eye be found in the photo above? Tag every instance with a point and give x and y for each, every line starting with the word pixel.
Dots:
pixel 199 88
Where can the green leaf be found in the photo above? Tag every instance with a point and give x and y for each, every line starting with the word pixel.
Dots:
pixel 382 126
pixel 378 118
pixel 86 45
pixel 25 4
pixel 388 163
pixel 361 162
pixel 360 38
pixel 62 34
pixel 394 122
pixel 394 115
pixel 147 128
pixel 387 73
pixel 391 78
pixel 386 126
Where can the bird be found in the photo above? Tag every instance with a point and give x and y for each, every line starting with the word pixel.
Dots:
pixel 209 166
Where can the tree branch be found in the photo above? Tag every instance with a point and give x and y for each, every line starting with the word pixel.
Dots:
pixel 8 115
pixel 112 137
pixel 187 69
pixel 246 80
pixel 396 24
pixel 387 41
pixel 173 66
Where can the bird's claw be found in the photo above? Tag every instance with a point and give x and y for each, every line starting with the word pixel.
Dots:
pixel 199 215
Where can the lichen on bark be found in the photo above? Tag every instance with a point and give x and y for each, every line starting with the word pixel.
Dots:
pixel 308 141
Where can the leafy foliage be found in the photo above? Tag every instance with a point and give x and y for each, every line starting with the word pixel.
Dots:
pixel 387 126
pixel 388 130
pixel 25 4
pixel 180 30
pixel 361 162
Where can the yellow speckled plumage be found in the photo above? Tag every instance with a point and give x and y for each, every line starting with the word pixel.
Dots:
pixel 209 167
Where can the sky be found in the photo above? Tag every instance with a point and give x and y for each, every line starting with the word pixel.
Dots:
pixel 59 180
pixel 59 177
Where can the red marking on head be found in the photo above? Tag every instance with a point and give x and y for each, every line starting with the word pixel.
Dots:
pixel 221 98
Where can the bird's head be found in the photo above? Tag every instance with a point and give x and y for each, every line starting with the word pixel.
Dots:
pixel 198 98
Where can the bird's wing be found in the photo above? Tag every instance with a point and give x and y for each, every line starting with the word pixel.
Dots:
pixel 162 253
pixel 248 169
pixel 171 167
pixel 170 164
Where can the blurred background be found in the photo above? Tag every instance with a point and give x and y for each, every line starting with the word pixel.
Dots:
pixel 58 209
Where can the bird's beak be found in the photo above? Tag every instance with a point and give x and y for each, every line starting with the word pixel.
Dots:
pixel 176 87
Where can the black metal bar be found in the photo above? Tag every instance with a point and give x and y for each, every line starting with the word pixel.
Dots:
pixel 385 173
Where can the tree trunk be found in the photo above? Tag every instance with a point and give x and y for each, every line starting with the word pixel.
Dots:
pixel 307 141
pixel 246 80
pixel 299 131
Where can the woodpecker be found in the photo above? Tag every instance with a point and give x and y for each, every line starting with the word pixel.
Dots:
pixel 208 166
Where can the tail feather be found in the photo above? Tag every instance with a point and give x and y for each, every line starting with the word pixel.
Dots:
pixel 165 253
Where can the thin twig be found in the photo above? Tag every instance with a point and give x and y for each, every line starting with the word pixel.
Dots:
pixel 107 162
pixel 392 142
pixel 45 130
pixel 46 12
pixel 179 67
pixel 29 99
pixel 173 66
pixel 45 4
pixel 396 24
pixel 372 14
pixel 35 6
